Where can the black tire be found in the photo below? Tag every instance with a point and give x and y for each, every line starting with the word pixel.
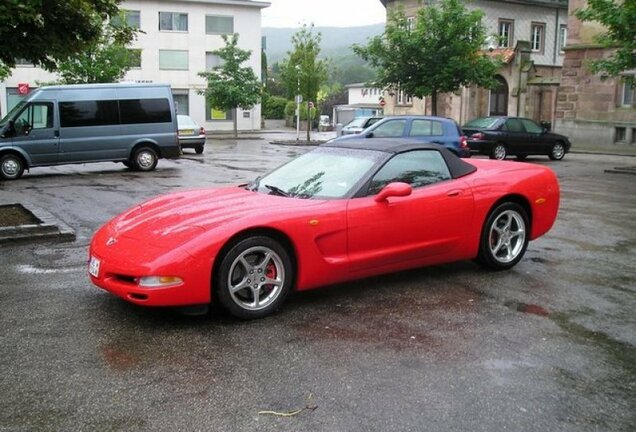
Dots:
pixel 11 166
pixel 144 159
pixel 558 151
pixel 498 152
pixel 244 273
pixel 504 237
pixel 198 149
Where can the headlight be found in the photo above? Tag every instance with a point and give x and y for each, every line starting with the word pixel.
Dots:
pixel 159 281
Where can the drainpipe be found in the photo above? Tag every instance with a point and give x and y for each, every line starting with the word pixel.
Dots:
pixel 556 39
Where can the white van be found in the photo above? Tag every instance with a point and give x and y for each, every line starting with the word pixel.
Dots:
pixel 134 124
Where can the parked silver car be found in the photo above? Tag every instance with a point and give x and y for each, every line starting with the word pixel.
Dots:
pixel 359 124
pixel 191 135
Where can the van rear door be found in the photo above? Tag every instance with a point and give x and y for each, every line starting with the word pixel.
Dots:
pixel 36 132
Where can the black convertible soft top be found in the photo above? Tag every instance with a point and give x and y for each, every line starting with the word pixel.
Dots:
pixel 457 167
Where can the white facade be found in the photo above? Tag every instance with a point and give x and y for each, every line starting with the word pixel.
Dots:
pixel 189 45
pixel 359 94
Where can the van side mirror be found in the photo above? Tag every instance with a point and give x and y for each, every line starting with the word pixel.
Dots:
pixel 394 189
pixel 368 134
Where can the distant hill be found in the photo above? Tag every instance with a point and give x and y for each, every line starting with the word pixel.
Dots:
pixel 336 41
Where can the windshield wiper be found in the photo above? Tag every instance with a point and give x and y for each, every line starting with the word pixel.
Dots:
pixel 277 190
pixel 253 185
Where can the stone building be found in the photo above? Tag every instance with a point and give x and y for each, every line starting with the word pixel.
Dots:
pixel 176 43
pixel 590 110
pixel 530 37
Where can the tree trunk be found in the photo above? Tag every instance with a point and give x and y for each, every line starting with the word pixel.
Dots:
pixel 235 122
pixel 308 124
pixel 434 102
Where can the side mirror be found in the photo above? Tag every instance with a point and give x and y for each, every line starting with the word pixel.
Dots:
pixel 544 131
pixel 368 134
pixel 395 189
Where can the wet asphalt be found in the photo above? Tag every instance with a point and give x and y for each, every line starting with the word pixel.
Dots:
pixel 547 346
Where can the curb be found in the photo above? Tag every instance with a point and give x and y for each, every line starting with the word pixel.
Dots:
pixel 50 228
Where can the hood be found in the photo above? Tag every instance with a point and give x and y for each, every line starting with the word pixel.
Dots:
pixel 173 219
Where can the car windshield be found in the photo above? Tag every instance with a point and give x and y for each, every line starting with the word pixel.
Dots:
pixel 482 123
pixel 11 113
pixel 359 122
pixel 321 173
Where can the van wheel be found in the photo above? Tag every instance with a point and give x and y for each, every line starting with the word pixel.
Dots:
pixel 144 159
pixel 11 167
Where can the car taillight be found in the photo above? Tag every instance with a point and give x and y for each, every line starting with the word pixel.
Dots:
pixel 478 136
pixel 202 131
pixel 463 142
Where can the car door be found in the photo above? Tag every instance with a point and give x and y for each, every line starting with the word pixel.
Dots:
pixel 514 135
pixel 537 141
pixel 35 131
pixel 393 128
pixel 416 229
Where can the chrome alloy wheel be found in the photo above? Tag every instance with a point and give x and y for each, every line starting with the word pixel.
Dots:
pixel 558 151
pixel 145 159
pixel 10 167
pixel 256 278
pixel 507 236
pixel 499 152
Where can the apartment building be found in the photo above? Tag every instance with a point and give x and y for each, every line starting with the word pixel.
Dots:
pixel 529 35
pixel 176 42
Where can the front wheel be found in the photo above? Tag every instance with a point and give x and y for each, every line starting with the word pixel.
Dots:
pixel 504 237
pixel 254 277
pixel 11 167
pixel 557 152
pixel 144 159
pixel 498 152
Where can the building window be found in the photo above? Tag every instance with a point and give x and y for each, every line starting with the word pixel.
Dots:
pixel 173 60
pixel 132 18
pixel 135 55
pixel 403 98
pixel 627 92
pixel 173 21
pixel 633 136
pixel 212 61
pixel 213 114
pixel 181 101
pixel 506 29
pixel 23 62
pixel 563 36
pixel 620 134
pixel 537 37
pixel 215 24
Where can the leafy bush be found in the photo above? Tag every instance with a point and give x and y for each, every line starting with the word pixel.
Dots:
pixel 274 107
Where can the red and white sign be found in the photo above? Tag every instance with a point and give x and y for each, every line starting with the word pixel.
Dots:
pixel 23 88
pixel 382 102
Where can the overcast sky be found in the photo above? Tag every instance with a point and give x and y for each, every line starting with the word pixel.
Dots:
pixel 336 13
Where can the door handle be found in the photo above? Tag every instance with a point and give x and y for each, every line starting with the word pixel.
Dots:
pixel 454 192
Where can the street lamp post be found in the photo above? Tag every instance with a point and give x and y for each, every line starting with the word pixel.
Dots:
pixel 298 101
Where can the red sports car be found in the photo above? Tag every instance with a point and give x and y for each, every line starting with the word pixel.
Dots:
pixel 340 212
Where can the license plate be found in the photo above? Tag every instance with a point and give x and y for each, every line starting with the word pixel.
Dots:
pixel 186 132
pixel 93 266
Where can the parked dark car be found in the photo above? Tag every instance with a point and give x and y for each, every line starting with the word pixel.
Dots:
pixel 430 129
pixel 359 124
pixel 498 137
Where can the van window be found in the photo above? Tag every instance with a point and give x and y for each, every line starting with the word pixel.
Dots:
pixel 88 113
pixel 37 115
pixel 145 111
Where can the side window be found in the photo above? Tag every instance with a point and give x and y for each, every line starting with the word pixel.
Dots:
pixel 531 126
pixel 89 113
pixel 417 168
pixel 426 128
pixel 390 129
pixel 38 115
pixel 135 111
pixel 513 125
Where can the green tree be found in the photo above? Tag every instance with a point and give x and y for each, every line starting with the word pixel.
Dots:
pixel 45 33
pixel 303 70
pixel 619 19
pixel 231 86
pixel 439 52
pixel 105 60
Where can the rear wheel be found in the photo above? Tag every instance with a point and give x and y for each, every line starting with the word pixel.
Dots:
pixel 557 152
pixel 498 152
pixel 11 166
pixel 254 277
pixel 144 159
pixel 198 149
pixel 504 237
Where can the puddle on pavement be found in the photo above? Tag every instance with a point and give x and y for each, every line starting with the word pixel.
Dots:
pixel 532 309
